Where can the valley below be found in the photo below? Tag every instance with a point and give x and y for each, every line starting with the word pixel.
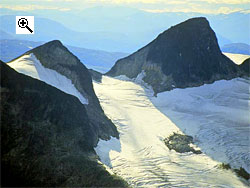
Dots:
pixel 144 121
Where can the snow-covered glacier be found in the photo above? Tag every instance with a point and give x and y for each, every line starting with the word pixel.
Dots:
pixel 29 65
pixel 216 115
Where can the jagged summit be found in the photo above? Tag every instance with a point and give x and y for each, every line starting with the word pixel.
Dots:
pixel 185 55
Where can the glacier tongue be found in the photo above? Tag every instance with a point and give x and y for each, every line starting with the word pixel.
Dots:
pixel 141 156
pixel 29 65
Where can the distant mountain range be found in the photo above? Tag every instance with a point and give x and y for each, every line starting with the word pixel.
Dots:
pixel 236 48
pixel 46 30
pixel 186 55
pixel 129 30
pixel 95 59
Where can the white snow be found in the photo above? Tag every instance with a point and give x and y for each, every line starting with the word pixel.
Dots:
pixel 140 156
pixel 29 65
pixel 217 115
pixel 237 58
pixel 104 147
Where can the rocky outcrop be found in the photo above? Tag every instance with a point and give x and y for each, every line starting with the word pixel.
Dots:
pixel 96 76
pixel 47 138
pixel 55 56
pixel 240 172
pixel 180 143
pixel 245 67
pixel 186 55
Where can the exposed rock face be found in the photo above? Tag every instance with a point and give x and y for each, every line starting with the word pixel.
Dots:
pixel 186 55
pixel 96 76
pixel 54 55
pixel 46 137
pixel 180 143
pixel 245 67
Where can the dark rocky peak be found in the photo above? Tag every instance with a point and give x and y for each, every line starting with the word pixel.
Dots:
pixel 184 39
pixel 185 55
pixel 54 55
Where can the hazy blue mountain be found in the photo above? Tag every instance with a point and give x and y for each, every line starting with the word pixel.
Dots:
pixel 46 30
pixel 237 48
pixel 234 26
pixel 132 29
pixel 222 40
pixel 5 35
pixel 12 48
pixel 95 59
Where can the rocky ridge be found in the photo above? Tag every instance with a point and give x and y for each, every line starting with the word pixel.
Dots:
pixel 55 56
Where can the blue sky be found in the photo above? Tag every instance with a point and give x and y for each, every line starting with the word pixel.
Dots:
pixel 201 6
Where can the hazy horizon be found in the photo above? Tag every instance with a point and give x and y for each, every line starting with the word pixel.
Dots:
pixel 198 6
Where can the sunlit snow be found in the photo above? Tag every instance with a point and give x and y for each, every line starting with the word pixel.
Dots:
pixel 29 65
pixel 141 157
pixel 237 58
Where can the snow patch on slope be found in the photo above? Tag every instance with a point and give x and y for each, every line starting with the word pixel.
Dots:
pixel 105 147
pixel 138 80
pixel 29 65
pixel 237 58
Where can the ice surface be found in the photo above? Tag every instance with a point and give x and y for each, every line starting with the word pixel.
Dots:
pixel 29 65
pixel 217 115
pixel 237 58
pixel 141 156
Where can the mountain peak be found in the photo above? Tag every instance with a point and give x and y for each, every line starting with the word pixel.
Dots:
pixel 55 56
pixel 185 55
pixel 54 52
pixel 54 43
pixel 197 21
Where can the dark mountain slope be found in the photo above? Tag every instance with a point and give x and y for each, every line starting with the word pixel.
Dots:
pixel 46 137
pixel 96 76
pixel 54 55
pixel 245 67
pixel 186 55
